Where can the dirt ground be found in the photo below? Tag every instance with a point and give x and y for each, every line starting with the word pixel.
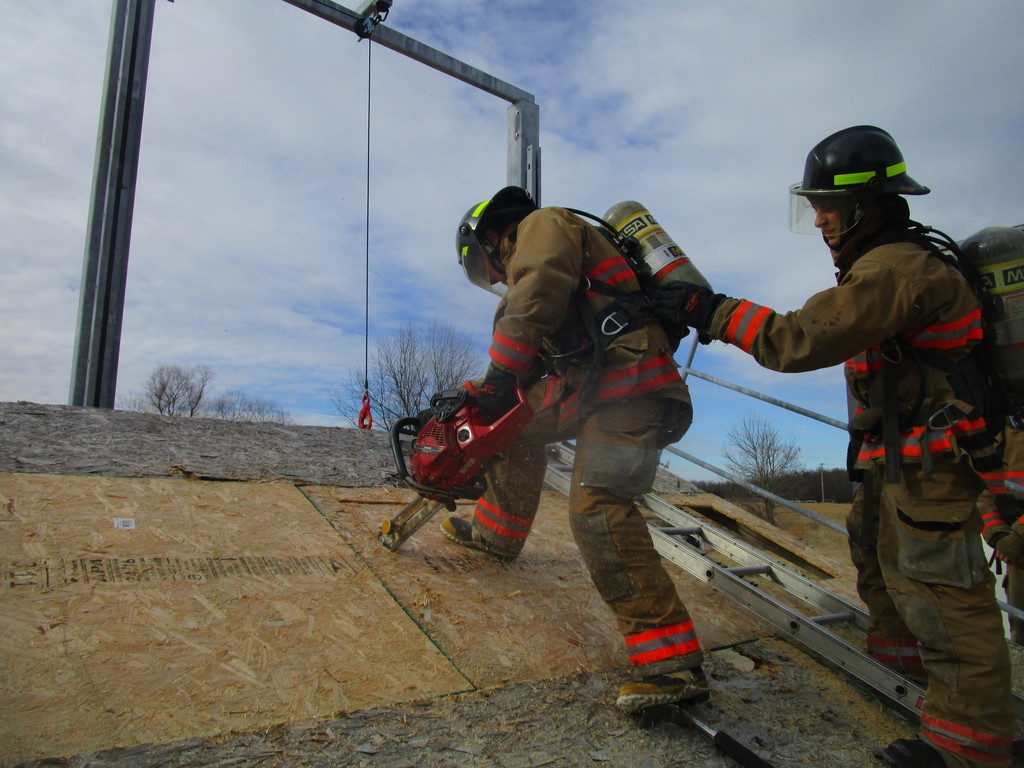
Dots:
pixel 791 709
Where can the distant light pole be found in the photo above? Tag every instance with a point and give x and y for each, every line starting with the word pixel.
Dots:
pixel 821 467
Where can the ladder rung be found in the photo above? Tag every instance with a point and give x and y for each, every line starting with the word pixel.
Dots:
pixel 832 618
pixel 749 570
pixel 677 531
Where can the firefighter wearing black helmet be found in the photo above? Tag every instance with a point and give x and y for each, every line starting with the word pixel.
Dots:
pixel 602 377
pixel 903 321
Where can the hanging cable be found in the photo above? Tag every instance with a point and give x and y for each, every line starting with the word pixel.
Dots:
pixel 365 413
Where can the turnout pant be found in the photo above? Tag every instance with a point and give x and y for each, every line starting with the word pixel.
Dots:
pixel 889 639
pixel 617 454
pixel 1015 597
pixel 926 579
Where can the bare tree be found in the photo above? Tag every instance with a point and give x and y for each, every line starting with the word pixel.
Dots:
pixel 234 405
pixel 174 390
pixel 759 455
pixel 406 369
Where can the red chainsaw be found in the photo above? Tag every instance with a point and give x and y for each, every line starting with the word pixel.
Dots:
pixel 447 457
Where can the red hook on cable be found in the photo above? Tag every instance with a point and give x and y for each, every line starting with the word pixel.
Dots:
pixel 365 415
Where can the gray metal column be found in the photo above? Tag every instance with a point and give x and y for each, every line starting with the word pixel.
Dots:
pixel 524 147
pixel 105 270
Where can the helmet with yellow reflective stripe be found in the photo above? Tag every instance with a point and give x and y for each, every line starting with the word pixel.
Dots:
pixel 859 160
pixel 478 255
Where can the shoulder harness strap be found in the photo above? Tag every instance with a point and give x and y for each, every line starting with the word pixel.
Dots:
pixel 967 376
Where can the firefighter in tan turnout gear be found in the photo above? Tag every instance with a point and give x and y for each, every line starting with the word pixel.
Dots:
pixel 901 318
pixel 597 368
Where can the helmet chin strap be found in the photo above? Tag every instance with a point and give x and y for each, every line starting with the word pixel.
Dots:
pixel 844 236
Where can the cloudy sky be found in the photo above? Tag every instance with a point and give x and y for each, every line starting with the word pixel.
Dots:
pixel 249 246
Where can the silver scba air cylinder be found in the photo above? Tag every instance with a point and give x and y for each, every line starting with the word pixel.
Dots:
pixel 998 254
pixel 663 259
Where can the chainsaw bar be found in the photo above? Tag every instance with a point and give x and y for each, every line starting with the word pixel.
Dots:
pixel 395 531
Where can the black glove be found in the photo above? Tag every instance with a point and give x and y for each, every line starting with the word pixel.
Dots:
pixel 686 304
pixel 497 394
pixel 852 452
pixel 1010 545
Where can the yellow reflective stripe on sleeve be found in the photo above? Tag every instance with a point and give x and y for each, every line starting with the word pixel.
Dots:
pixel 866 176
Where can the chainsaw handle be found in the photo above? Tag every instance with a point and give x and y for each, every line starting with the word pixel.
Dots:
pixel 448 402
pixel 407 426
pixel 726 744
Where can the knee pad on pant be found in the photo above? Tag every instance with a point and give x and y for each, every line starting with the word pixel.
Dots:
pixel 624 470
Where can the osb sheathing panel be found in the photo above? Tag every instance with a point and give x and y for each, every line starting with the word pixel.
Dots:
pixel 535 618
pixel 227 606
pixel 746 521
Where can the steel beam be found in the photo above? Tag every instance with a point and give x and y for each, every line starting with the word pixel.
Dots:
pixel 523 112
pixel 417 51
pixel 105 267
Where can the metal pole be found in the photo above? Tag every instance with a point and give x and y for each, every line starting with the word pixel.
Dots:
pixel 524 147
pixel 766 398
pixel 105 267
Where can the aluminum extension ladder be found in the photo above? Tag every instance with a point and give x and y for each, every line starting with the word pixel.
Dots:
pixel 797 606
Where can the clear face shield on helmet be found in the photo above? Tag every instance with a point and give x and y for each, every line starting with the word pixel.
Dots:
pixel 478 262
pixel 475 255
pixel 830 214
pixel 479 233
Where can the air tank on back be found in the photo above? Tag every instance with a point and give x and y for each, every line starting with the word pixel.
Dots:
pixel 998 254
pixel 661 257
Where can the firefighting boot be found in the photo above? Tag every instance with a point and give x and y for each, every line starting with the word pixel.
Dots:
pixel 688 686
pixel 912 753
pixel 458 530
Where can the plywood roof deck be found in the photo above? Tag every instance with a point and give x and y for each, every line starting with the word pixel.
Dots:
pixel 206 597
pixel 145 610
